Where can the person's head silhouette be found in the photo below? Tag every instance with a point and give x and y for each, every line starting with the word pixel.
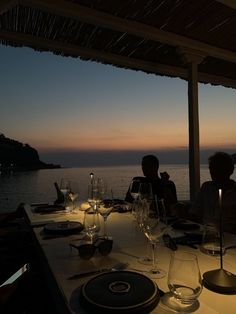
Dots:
pixel 150 166
pixel 221 166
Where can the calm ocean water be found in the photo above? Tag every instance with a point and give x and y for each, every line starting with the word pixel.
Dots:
pixel 38 186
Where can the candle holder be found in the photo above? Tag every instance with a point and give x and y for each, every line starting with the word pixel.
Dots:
pixel 220 280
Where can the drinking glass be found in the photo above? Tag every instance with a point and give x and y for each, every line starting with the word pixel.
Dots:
pixel 145 199
pixel 145 191
pixel 184 281
pixel 73 194
pixel 65 188
pixel 153 229
pixel 94 199
pixel 134 191
pixel 105 207
pixel 91 224
pixel 211 240
pixel 94 195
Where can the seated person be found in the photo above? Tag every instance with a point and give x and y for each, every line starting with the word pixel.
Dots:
pixel 206 206
pixel 162 187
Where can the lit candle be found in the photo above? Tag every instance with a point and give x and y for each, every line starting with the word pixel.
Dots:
pixel 220 198
pixel 91 177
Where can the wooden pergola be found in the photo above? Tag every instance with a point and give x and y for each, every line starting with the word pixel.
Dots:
pixel 189 39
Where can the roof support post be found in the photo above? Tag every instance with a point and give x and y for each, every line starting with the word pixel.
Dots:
pixel 193 58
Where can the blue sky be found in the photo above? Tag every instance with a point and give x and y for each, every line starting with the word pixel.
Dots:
pixel 64 106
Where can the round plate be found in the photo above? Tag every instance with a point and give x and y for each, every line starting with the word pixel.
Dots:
pixel 120 291
pixel 185 226
pixel 63 227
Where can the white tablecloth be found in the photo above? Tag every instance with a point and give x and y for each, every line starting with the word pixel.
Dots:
pixel 129 244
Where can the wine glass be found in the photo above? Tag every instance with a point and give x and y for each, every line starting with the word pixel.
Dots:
pixel 73 194
pixel 94 194
pixel 145 191
pixel 65 188
pixel 184 289
pixel 90 224
pixel 134 191
pixel 94 198
pixel 105 207
pixel 145 199
pixel 153 229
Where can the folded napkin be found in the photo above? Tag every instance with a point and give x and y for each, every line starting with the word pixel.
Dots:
pixel 48 208
pixel 63 228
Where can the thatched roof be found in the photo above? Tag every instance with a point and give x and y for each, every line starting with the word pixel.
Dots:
pixel 147 35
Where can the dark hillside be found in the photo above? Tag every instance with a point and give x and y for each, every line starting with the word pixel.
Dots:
pixel 17 156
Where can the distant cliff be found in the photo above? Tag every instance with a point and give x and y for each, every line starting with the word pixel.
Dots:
pixel 17 156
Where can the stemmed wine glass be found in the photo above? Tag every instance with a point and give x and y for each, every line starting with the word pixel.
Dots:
pixel 65 188
pixel 134 191
pixel 93 194
pixel 146 198
pixel 145 191
pixel 154 228
pixel 105 207
pixel 73 194
pixel 90 224
pixel 94 199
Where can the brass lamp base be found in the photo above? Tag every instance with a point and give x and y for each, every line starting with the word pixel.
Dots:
pixel 220 280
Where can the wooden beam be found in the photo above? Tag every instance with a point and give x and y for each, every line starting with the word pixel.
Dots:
pixel 5 5
pixel 97 55
pixel 91 16
pixel 229 3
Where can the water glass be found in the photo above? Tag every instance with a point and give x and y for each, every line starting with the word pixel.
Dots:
pixel 184 280
pixel 65 189
pixel 211 241
pixel 91 224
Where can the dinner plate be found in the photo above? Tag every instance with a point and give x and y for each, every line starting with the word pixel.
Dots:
pixel 185 225
pixel 120 292
pixel 63 227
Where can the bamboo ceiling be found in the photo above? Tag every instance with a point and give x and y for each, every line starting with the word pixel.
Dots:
pixel 146 35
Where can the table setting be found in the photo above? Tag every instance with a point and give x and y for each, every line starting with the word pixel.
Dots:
pixel 112 248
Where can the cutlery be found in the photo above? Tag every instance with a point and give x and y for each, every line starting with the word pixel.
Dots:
pixel 118 266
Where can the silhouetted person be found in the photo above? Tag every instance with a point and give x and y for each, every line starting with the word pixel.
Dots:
pixel 162 187
pixel 206 207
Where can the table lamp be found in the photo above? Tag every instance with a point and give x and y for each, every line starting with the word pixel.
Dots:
pixel 220 280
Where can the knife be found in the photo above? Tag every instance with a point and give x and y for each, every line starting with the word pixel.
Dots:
pixel 118 266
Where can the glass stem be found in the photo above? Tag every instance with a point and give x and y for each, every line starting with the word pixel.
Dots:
pixel 105 227
pixel 149 258
pixel 153 256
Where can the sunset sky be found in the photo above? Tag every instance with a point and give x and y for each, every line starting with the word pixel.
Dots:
pixel 58 104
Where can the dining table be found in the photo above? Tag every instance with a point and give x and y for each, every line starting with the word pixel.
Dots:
pixel 129 244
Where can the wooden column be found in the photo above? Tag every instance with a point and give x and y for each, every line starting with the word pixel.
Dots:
pixel 193 58
pixel 193 118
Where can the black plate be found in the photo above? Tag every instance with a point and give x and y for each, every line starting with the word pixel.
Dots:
pixel 184 225
pixel 123 292
pixel 63 227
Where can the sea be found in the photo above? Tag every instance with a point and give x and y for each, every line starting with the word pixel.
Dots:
pixel 38 186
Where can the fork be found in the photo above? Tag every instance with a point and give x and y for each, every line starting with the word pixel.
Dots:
pixel 118 266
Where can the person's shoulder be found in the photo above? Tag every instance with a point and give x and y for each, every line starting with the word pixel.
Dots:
pixel 233 184
pixel 139 178
pixel 207 185
pixel 167 182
